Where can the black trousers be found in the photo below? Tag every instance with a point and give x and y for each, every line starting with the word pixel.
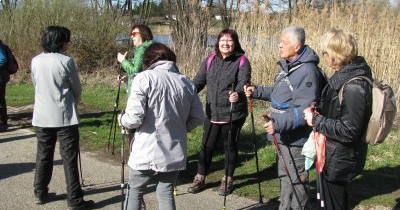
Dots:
pixel 68 138
pixel 335 195
pixel 214 133
pixel 3 106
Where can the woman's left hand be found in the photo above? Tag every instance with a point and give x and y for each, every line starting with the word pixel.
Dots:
pixel 308 115
pixel 233 97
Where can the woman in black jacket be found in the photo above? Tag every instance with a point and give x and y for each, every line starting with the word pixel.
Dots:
pixel 344 121
pixel 224 72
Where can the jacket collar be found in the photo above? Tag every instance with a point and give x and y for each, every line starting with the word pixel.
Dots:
pixel 232 56
pixel 144 44
pixel 164 66
pixel 307 55
pixel 358 67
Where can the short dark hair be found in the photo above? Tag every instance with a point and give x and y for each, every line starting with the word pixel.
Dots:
pixel 233 34
pixel 144 31
pixel 54 37
pixel 157 52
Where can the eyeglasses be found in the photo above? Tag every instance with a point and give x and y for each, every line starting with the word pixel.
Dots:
pixel 225 40
pixel 134 33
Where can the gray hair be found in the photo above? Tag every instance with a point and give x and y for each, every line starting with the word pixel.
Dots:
pixel 296 33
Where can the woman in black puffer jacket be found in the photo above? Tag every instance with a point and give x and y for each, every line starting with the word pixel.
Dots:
pixel 342 122
pixel 224 73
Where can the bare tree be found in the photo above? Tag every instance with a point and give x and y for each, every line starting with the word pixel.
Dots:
pixel 145 11
pixel 8 4
pixel 189 22
pixel 225 9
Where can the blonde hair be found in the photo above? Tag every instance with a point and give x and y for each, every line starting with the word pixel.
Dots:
pixel 341 46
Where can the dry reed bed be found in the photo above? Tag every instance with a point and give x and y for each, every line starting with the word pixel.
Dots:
pixel 377 29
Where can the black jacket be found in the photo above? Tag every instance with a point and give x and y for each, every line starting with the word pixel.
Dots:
pixel 219 79
pixel 344 124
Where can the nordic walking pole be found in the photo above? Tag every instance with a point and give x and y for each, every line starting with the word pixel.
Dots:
pixel 229 145
pixel 80 166
pixel 278 150
pixel 253 134
pixel 319 177
pixel 175 189
pixel 114 118
pixel 122 164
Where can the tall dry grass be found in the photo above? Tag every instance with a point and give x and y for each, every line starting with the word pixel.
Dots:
pixel 376 28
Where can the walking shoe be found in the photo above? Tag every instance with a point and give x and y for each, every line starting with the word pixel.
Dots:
pixel 82 205
pixel 229 187
pixel 198 184
pixel 42 199
pixel 39 200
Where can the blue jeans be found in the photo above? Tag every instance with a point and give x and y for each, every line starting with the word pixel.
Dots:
pixel 137 185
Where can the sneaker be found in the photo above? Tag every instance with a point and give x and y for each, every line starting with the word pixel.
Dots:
pixel 82 205
pixel 229 187
pixel 199 182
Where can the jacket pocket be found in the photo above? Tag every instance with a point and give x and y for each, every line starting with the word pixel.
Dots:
pixel 340 163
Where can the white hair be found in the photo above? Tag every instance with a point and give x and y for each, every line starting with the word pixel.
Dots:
pixel 296 33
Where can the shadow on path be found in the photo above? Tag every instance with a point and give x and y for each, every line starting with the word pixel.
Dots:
pixel 15 138
pixel 14 169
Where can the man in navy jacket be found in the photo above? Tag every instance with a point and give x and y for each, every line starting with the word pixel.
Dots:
pixel 297 85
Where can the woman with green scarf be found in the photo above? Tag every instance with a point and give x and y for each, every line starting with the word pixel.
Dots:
pixel 141 37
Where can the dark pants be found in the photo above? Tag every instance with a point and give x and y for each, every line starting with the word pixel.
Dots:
pixel 335 195
pixel 214 133
pixel 3 106
pixel 68 138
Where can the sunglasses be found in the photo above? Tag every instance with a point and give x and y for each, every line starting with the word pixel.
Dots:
pixel 135 33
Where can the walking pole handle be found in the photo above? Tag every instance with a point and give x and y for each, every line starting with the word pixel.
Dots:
pixel 314 111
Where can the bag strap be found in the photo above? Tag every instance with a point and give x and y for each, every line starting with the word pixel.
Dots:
pixel 352 79
pixel 242 60
pixel 209 60
pixel 212 56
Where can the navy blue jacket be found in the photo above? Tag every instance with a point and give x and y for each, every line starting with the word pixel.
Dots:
pixel 296 86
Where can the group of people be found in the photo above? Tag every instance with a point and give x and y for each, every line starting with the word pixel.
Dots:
pixel 163 105
pixel 162 108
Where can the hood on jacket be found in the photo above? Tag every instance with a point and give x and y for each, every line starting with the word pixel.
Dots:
pixel 308 55
pixel 358 67
pixel 164 65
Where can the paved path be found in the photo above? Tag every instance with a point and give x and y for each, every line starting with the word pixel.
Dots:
pixel 101 180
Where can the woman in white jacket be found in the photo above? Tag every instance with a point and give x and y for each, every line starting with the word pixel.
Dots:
pixel 163 106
